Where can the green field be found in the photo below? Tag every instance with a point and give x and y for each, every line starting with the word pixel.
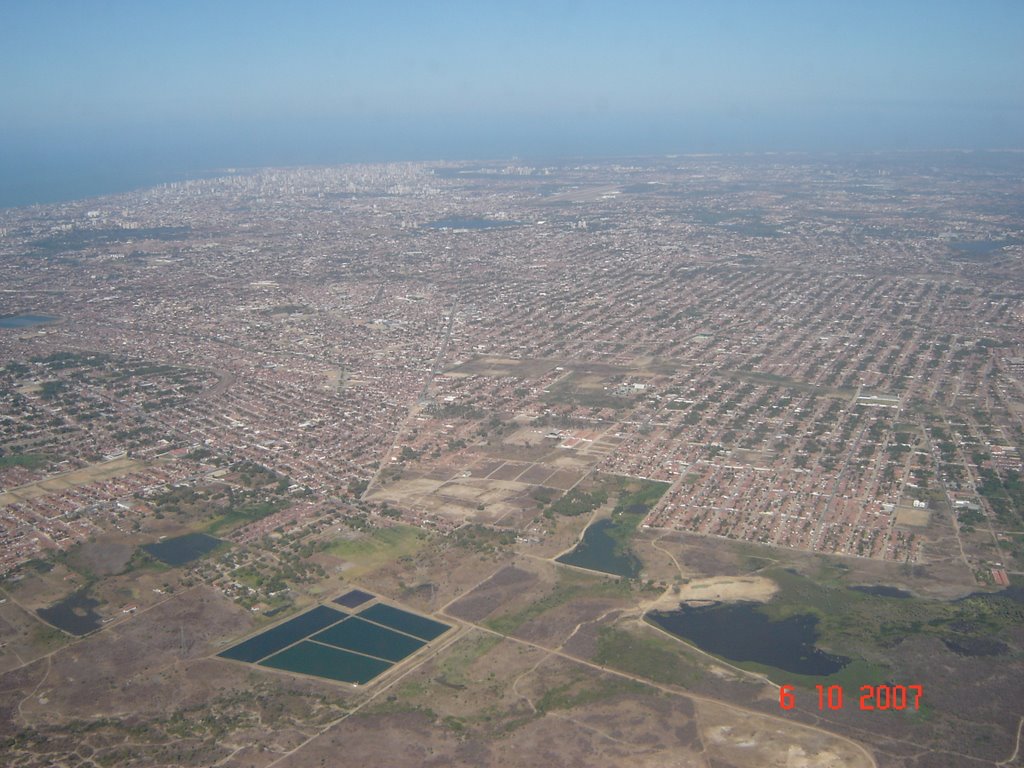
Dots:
pixel 26 460
pixel 571 585
pixel 244 514
pixel 378 548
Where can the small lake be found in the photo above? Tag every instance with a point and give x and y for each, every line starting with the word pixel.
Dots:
pixel 182 549
pixel 977 250
pixel 458 222
pixel 74 614
pixel 25 321
pixel 599 551
pixel 740 632
pixel 879 590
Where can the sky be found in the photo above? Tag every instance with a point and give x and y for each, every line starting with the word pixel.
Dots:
pixel 98 95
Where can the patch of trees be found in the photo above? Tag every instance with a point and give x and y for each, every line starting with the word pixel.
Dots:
pixel 577 502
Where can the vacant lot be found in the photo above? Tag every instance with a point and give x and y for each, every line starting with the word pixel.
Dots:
pixel 84 476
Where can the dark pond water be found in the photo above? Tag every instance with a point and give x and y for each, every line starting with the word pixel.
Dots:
pixel 458 222
pixel 283 635
pixel 1014 593
pixel 360 636
pixel 973 250
pixel 739 632
pixel 403 621
pixel 74 614
pixel 182 549
pixel 25 321
pixel 880 590
pixel 975 247
pixel 598 551
pixel 353 598
pixel 310 658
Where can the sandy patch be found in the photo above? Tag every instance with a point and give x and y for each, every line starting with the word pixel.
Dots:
pixel 914 516
pixel 92 474
pixel 725 589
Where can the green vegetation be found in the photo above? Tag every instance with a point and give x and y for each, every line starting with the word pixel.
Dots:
pixel 26 460
pixel 632 508
pixel 855 674
pixel 579 693
pixel 1005 494
pixel 455 411
pixel 571 585
pixel 605 546
pixel 461 656
pixel 480 538
pixel 287 309
pixel 380 547
pixel 577 502
pixel 863 626
pixel 50 390
pixel 243 514
pixel 542 495
pixel 968 518
pixel 648 655
pixel 647 494
pixel 785 381
pixel 253 475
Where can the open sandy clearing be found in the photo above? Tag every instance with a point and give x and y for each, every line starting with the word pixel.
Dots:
pixel 56 483
pixel 724 589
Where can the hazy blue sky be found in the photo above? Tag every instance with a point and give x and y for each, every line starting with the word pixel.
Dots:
pixel 95 89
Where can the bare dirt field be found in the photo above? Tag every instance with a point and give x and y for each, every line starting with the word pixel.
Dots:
pixel 136 663
pixel 496 498
pixel 911 516
pixel 105 555
pixel 720 589
pixel 502 366
pixel 57 483
pixel 24 637
pixel 487 701
pixel 769 742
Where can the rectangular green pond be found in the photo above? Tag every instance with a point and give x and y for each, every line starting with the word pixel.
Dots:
pixel 410 623
pixel 283 635
pixel 309 658
pixel 360 636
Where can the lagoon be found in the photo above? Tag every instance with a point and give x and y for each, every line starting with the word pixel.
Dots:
pixel 468 222
pixel 25 321
pixel 74 614
pixel 599 551
pixel 182 549
pixel 740 632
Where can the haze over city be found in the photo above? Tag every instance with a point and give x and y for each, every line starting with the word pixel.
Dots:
pixel 477 384
pixel 103 97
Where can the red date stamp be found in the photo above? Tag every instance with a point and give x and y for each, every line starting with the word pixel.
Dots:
pixel 872 697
